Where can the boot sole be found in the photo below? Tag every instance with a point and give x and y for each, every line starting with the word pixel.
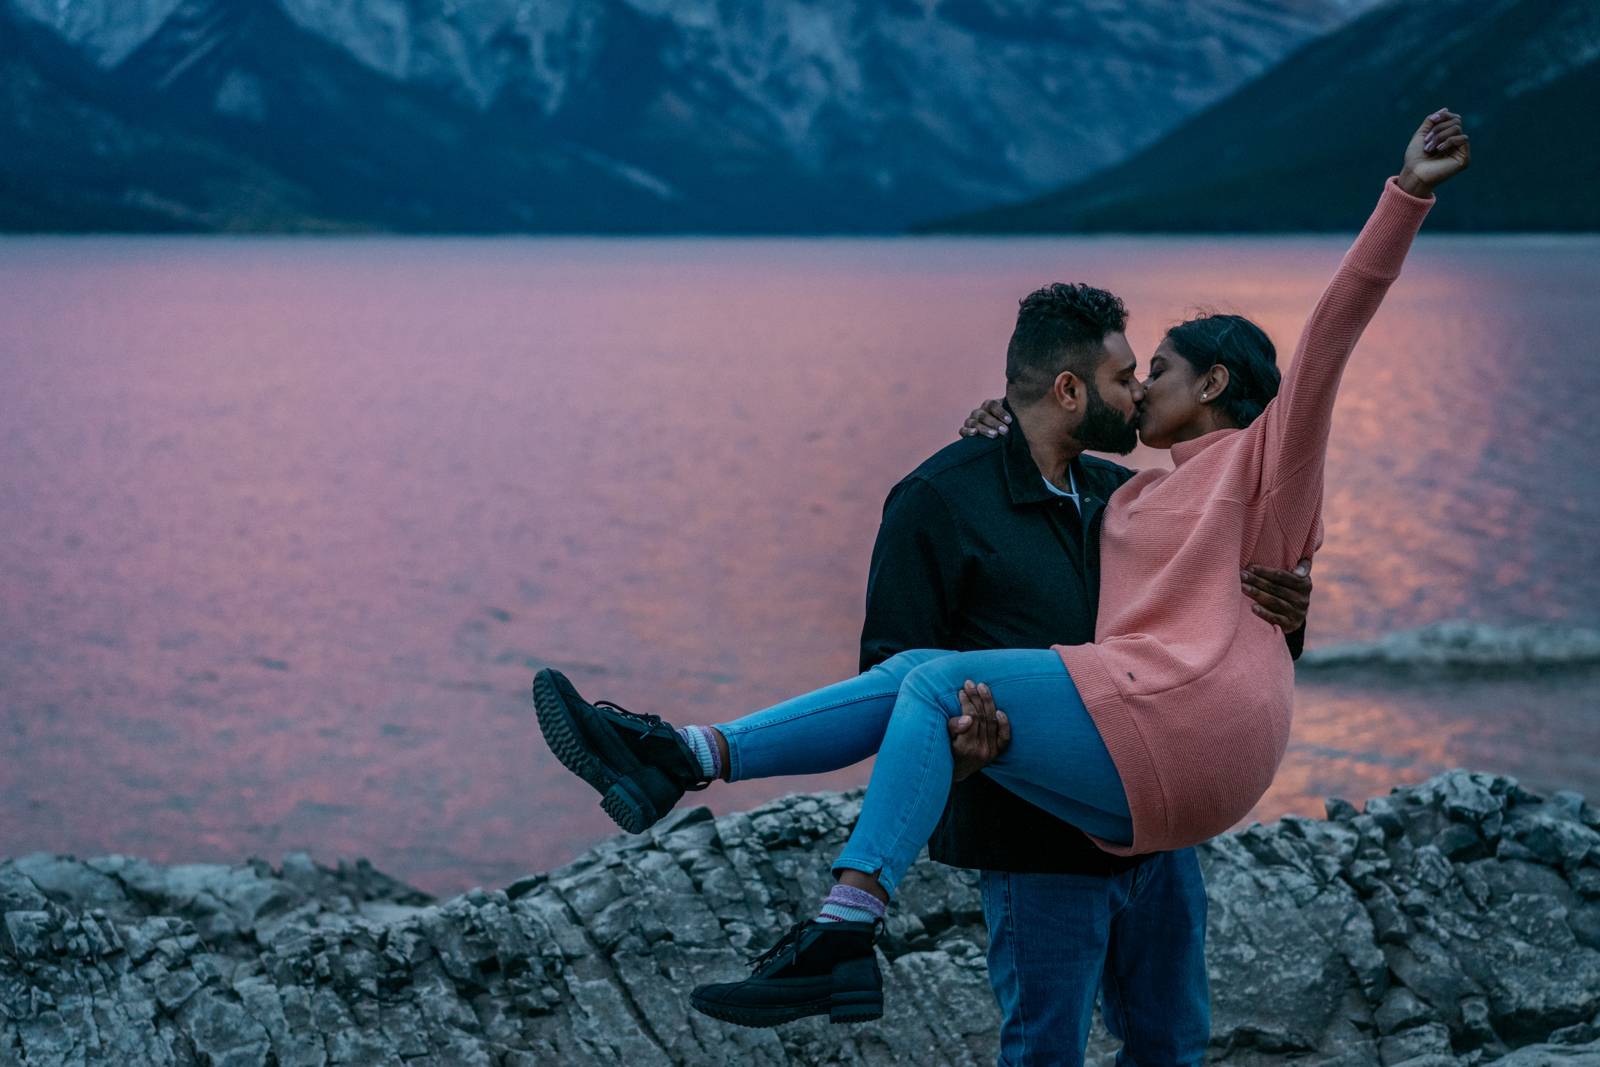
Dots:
pixel 856 1007
pixel 620 798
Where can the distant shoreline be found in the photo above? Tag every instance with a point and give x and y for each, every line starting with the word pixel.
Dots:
pixel 690 235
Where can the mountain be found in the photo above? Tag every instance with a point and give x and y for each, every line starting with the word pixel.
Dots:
pixel 232 116
pixel 1304 146
pixel 75 160
pixel 622 115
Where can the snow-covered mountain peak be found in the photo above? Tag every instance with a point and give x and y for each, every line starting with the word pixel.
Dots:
pixel 107 29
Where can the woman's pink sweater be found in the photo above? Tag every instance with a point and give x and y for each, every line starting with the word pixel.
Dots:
pixel 1191 691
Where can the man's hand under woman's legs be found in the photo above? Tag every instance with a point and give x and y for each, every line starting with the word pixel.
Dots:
pixel 980 733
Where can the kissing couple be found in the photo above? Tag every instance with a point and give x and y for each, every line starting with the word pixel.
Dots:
pixel 1063 643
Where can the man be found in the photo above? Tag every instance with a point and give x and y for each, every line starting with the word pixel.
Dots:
pixel 993 543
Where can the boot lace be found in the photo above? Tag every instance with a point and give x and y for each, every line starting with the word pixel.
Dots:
pixel 786 941
pixel 651 722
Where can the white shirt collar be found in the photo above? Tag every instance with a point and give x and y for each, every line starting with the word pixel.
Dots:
pixel 1072 481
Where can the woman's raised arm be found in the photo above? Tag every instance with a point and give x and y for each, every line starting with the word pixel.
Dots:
pixel 1297 422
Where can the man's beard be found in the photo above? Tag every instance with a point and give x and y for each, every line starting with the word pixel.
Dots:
pixel 1104 429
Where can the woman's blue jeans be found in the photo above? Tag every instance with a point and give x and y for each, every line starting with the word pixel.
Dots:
pixel 899 710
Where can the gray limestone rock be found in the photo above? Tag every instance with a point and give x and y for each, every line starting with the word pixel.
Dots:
pixel 1449 924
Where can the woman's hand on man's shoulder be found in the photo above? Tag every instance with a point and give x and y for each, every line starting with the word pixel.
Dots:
pixel 989 419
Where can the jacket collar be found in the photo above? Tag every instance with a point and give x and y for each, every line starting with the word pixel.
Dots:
pixel 1024 480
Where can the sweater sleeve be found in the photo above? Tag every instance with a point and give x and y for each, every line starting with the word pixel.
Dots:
pixel 1295 426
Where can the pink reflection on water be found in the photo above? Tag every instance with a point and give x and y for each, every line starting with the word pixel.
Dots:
pixel 292 523
pixel 1358 741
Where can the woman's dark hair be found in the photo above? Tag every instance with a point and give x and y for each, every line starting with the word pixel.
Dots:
pixel 1243 348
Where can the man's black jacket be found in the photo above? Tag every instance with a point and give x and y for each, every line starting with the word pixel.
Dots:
pixel 975 552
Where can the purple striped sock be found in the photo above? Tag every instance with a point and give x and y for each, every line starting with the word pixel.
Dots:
pixel 847 904
pixel 704 746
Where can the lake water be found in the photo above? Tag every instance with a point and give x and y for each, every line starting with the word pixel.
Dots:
pixel 290 523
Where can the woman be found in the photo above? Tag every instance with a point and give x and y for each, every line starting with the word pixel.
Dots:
pixel 1161 734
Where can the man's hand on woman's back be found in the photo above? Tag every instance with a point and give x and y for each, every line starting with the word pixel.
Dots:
pixel 1281 597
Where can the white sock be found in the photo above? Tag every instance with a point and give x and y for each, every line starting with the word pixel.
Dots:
pixel 704 747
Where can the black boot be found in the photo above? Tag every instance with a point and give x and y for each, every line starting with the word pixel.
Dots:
pixel 638 763
pixel 817 968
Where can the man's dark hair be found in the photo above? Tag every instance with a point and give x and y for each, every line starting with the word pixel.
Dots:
pixel 1243 348
pixel 1059 328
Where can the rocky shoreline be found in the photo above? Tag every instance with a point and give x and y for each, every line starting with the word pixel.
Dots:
pixel 1456 922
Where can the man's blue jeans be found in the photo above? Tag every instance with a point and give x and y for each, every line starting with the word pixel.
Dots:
pixel 1137 937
